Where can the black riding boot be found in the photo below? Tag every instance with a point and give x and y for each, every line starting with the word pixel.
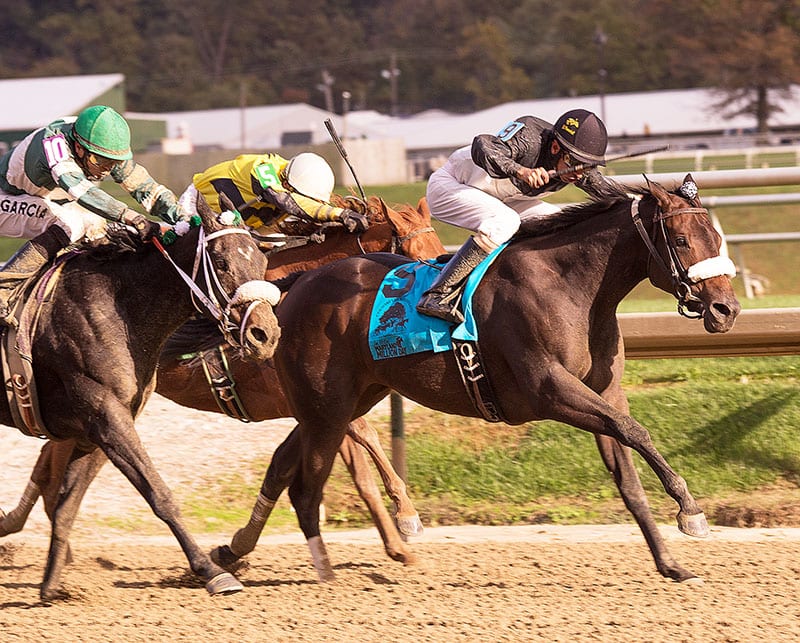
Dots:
pixel 25 263
pixel 441 299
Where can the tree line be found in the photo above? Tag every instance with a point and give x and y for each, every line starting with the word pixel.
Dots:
pixel 405 56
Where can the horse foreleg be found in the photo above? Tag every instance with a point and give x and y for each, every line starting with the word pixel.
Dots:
pixel 14 520
pixel 45 481
pixel 319 448
pixel 48 472
pixel 277 477
pixel 78 474
pixel 118 439
pixel 358 466
pixel 619 462
pixel 571 402
pixel 406 516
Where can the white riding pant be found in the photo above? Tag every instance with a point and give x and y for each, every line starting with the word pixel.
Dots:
pixel 188 201
pixel 462 194
pixel 26 216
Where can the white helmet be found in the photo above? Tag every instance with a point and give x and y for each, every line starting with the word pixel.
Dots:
pixel 310 175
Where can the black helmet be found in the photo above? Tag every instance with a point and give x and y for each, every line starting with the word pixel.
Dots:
pixel 583 135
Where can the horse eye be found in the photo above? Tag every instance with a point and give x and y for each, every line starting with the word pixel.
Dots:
pixel 681 242
pixel 220 264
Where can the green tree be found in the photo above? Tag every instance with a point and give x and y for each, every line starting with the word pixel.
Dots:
pixel 748 49
pixel 492 77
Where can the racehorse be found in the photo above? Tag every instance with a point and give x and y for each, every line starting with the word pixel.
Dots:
pixel 551 348
pixel 404 230
pixel 95 350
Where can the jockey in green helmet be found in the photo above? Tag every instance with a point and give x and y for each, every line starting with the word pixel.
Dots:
pixel 49 191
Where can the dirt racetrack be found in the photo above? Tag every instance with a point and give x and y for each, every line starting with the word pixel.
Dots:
pixel 520 584
pixel 531 583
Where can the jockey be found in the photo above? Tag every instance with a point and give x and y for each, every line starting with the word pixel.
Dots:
pixel 48 191
pixel 490 186
pixel 267 188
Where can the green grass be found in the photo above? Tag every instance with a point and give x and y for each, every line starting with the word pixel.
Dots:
pixel 727 425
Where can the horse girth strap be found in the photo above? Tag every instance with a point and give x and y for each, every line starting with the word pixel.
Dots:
pixel 476 382
pixel 23 400
pixel 223 387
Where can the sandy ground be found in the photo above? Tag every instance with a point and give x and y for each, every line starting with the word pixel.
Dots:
pixel 548 583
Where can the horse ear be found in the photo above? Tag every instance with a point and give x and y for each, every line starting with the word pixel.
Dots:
pixel 208 216
pixel 225 202
pixel 659 193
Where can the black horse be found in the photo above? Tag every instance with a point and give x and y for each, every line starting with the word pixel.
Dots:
pixel 95 350
pixel 551 346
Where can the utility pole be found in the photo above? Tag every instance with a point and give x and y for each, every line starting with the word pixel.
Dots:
pixel 325 87
pixel 391 75
pixel 600 39
pixel 242 113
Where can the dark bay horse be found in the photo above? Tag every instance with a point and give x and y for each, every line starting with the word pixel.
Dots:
pixel 549 338
pixel 95 350
pixel 403 230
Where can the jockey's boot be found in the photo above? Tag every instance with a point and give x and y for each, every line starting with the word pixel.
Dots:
pixel 442 298
pixel 25 263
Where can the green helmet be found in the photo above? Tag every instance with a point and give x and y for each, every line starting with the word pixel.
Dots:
pixel 103 131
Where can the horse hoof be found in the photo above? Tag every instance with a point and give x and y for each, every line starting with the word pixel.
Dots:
pixel 694 581
pixel 224 583
pixel 695 525
pixel 409 527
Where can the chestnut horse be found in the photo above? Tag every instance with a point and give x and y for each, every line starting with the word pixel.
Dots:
pixel 403 230
pixel 95 349
pixel 549 339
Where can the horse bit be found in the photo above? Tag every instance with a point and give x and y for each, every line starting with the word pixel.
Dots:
pixel 682 278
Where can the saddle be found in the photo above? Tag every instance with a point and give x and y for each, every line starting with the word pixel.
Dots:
pixel 397 329
pixel 15 350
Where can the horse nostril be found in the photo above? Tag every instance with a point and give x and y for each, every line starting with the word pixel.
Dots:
pixel 722 310
pixel 257 335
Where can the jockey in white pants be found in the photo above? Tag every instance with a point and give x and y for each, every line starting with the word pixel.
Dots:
pixel 490 186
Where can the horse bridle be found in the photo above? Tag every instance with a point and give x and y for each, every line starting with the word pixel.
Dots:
pixel 253 292
pixel 682 277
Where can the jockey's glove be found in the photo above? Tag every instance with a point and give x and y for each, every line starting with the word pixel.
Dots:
pixel 354 221
pixel 146 228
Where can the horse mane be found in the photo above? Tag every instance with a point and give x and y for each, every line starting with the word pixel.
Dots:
pixel 198 334
pixel 117 240
pixel 612 194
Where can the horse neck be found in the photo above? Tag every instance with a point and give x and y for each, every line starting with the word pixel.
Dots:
pixel 606 257
pixel 169 302
pixel 337 245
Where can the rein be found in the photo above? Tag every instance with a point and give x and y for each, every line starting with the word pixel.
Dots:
pixel 397 242
pixel 253 292
pixel 682 278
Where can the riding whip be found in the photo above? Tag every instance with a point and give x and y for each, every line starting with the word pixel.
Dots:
pixel 338 142
pixel 580 167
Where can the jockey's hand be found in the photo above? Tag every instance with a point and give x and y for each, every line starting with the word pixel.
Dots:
pixel 536 177
pixel 146 228
pixel 354 221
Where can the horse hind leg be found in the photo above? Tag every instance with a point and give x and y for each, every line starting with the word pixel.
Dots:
pixel 78 475
pixel 406 516
pixel 357 465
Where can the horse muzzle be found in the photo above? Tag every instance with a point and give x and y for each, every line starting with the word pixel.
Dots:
pixel 258 331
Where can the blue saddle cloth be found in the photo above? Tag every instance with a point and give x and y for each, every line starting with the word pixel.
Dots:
pixel 395 326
